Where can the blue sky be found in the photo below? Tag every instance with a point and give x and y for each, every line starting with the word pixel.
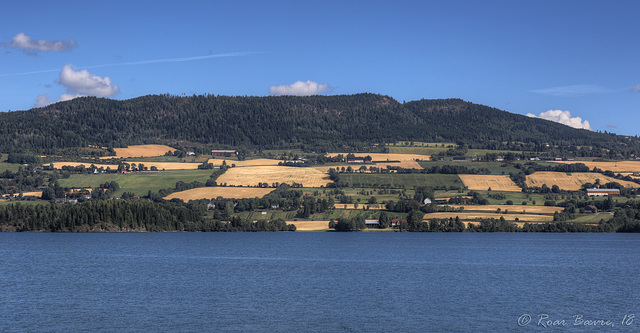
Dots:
pixel 526 57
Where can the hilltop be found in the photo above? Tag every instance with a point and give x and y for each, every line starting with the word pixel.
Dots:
pixel 321 123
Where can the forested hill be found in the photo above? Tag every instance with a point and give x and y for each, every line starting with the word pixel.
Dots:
pixel 318 122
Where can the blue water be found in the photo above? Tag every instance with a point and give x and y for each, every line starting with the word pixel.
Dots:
pixel 318 282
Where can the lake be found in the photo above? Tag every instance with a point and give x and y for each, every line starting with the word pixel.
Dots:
pixel 319 282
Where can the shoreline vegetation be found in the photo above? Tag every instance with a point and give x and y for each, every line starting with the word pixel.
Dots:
pixel 147 216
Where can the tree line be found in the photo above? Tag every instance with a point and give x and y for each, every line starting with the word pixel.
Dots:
pixel 122 215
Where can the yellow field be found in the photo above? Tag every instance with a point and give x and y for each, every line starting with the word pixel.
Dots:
pixel 310 225
pixel 572 181
pixel 32 194
pixel 225 192
pixel 471 216
pixel 256 162
pixel 403 164
pixel 630 174
pixel 141 151
pixel 389 157
pixel 621 166
pixel 511 208
pixel 252 175
pixel 78 190
pixel 483 182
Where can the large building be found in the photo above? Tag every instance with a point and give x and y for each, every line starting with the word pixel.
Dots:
pixel 601 192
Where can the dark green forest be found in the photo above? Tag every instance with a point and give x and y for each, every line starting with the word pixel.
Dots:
pixel 319 123
pixel 123 215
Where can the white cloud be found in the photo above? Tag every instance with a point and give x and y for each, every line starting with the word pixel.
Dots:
pixel 67 97
pixel 636 88
pixel 573 91
pixel 25 43
pixel 563 117
pixel 300 88
pixel 84 83
pixel 42 101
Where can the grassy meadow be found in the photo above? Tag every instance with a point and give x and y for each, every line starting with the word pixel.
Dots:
pixel 138 183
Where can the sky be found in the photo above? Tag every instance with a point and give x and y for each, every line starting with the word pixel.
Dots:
pixel 575 62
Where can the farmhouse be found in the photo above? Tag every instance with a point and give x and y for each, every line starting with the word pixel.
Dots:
pixel 601 192
pixel 590 209
pixel 222 152
pixel 396 222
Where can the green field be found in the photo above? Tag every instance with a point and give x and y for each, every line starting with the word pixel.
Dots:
pixel 288 152
pixel 270 215
pixel 482 152
pixel 592 218
pixel 139 184
pixel 334 214
pixel 516 197
pixel 407 181
pixel 427 151
pixel 25 202
pixel 9 166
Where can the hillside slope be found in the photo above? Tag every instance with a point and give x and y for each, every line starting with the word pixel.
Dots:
pixel 322 122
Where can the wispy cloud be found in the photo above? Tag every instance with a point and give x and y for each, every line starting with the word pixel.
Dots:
pixel 636 88
pixel 168 60
pixel 573 91
pixel 563 117
pixel 300 88
pixel 143 62
pixel 84 83
pixel 30 46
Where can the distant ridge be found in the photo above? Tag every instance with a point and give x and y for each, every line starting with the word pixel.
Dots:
pixel 317 122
